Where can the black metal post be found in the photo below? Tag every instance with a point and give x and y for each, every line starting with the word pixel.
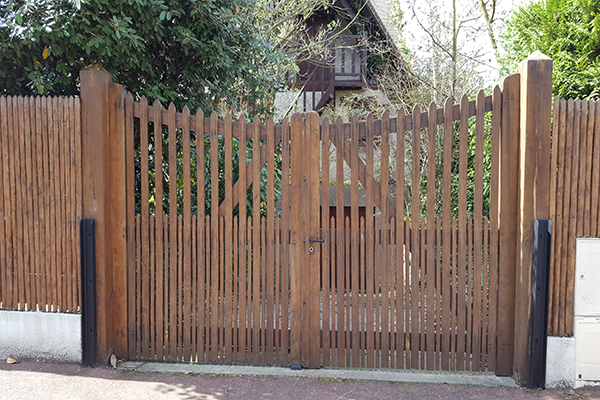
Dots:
pixel 89 336
pixel 539 303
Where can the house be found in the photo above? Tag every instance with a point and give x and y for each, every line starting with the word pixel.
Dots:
pixel 347 69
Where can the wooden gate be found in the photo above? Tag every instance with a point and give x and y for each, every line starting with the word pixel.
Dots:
pixel 253 257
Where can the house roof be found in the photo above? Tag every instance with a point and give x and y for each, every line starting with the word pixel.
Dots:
pixel 380 11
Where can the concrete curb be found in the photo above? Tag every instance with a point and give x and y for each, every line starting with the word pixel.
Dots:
pixel 438 377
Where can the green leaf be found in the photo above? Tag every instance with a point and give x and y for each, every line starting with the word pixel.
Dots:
pixel 19 19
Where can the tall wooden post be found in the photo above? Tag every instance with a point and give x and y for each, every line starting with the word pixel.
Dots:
pixel 534 191
pixel 103 164
pixel 507 222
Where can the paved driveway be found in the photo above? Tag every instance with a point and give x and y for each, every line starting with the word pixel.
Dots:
pixel 31 380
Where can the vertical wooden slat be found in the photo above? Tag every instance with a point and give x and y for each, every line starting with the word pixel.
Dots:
pixel 158 196
pixel 227 202
pixel 214 245
pixel 469 297
pixel 369 243
pixel 415 212
pixel 67 199
pixel 221 291
pixel 19 177
pixel 581 190
pixel 339 196
pixel 144 199
pixel 347 292
pixel 553 284
pixel 595 173
pixel 165 272
pixel 454 293
pixel 5 216
pixel 446 320
pixel 486 290
pixel 179 292
pixel 332 274
pixel 352 290
pixel 325 266
pixel 207 295
pixel 477 233
pixel 422 291
pixel 73 213
pixel 377 271
pixel 138 291
pixel 588 169
pixel 363 341
pixel 152 288
pixel 385 237
pixel 9 199
pixel 430 266
pixel 401 262
pixel 244 277
pixel 270 239
pixel 173 332
pixel 285 227
pixel 187 231
pixel 256 238
pixel 462 221
pixel 263 291
pixel 393 296
pixel 202 248
pixel 277 304
pixel 494 224
pixel 573 228
pixel 250 337
pixel 438 291
pixel 194 289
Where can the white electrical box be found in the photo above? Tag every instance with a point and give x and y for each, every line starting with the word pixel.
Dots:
pixel 587 310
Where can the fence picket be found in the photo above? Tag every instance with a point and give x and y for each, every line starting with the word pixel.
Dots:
pixel 161 309
pixel 325 229
pixel 478 231
pixel 385 240
pixel 227 296
pixel 430 265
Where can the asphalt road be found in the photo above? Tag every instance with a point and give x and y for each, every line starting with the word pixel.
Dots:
pixel 33 380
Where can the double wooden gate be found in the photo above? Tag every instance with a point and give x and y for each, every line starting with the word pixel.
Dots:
pixel 244 251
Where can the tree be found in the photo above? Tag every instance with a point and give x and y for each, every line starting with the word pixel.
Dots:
pixel 194 52
pixel 567 31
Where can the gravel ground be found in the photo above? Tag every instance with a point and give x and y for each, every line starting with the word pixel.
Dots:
pixel 33 380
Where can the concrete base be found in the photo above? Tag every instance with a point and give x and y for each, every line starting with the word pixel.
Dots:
pixel 560 362
pixel 40 336
pixel 383 375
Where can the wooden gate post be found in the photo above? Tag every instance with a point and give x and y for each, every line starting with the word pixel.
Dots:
pixel 304 254
pixel 103 166
pixel 534 191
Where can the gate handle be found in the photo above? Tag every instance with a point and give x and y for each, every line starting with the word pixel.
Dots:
pixel 316 240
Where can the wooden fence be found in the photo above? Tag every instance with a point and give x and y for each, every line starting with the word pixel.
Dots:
pixel 217 275
pixel 40 186
pixel 574 205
